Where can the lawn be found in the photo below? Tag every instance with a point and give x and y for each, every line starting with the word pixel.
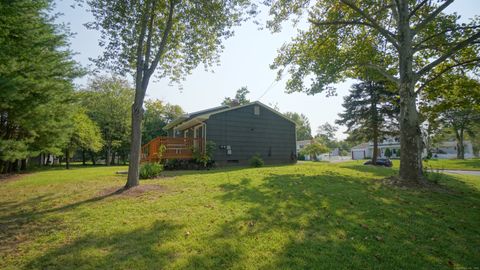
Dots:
pixel 310 215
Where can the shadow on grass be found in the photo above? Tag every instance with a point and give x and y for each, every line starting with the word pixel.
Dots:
pixel 338 221
pixel 141 248
pixel 15 226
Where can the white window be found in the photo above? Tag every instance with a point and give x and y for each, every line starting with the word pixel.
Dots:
pixel 256 110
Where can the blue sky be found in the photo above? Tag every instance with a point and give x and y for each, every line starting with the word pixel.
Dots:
pixel 244 62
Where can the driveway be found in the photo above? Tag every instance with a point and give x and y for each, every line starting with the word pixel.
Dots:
pixel 459 172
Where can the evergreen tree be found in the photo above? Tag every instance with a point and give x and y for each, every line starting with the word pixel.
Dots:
pixel 36 87
pixel 371 112
pixel 303 129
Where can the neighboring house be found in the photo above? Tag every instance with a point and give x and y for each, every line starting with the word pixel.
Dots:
pixel 365 150
pixel 444 150
pixel 237 132
pixel 448 150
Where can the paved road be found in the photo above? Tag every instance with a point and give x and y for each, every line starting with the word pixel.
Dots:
pixel 460 172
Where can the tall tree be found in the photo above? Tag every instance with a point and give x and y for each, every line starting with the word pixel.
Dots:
pixel 108 101
pixel 326 132
pixel 157 115
pixel 303 129
pixel 239 99
pixel 403 40
pixel 36 75
pixel 171 36
pixel 371 112
pixel 85 134
pixel 453 101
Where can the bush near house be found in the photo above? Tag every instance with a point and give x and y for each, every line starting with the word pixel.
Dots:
pixel 256 161
pixel 150 170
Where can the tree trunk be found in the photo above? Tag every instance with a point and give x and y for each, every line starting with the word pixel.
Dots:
pixel 410 134
pixel 113 158
pixel 84 157
pixel 108 154
pixel 92 157
pixel 460 146
pixel 23 165
pixel 67 161
pixel 134 165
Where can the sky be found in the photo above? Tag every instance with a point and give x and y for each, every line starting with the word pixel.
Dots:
pixel 244 62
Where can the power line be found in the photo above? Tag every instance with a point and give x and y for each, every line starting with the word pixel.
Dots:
pixel 268 89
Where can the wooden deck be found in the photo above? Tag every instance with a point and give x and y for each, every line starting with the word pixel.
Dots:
pixel 174 148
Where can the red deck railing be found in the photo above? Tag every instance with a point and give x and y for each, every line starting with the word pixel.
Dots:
pixel 175 148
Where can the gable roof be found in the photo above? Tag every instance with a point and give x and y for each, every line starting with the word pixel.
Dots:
pixel 203 115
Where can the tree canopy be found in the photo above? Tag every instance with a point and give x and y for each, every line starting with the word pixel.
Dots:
pixel 36 86
pixel 239 99
pixel 404 41
pixel 303 129
pixel 157 115
pixel 168 38
pixel 371 112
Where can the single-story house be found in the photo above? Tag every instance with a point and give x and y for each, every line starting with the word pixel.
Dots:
pixel 238 134
pixel 326 156
pixel 447 149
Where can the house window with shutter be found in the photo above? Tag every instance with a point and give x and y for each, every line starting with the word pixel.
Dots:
pixel 256 110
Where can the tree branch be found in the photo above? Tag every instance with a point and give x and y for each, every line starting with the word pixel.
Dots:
pixel 139 72
pixel 432 16
pixel 449 53
pixel 417 47
pixel 163 42
pixel 374 24
pixel 382 71
pixel 149 36
pixel 445 70
pixel 415 9
pixel 322 23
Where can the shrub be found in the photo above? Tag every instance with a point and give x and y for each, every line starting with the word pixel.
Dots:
pixel 388 152
pixel 256 161
pixel 204 158
pixel 150 170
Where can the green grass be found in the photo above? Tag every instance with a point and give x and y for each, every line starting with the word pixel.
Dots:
pixel 306 216
pixel 454 164
pixel 441 164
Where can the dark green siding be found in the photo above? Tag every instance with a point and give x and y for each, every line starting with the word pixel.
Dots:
pixel 268 134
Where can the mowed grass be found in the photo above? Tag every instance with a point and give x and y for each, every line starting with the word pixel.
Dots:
pixel 305 216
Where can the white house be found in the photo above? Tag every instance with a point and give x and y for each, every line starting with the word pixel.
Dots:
pixel 444 150
pixel 327 156
pixel 448 150
pixel 365 150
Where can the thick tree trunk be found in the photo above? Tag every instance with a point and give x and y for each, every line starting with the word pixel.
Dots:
pixel 112 162
pixel 136 144
pixel 67 161
pixel 410 134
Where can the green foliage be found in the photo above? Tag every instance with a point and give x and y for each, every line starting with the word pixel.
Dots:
pixel 204 157
pixel 371 111
pixel 108 103
pixel 256 161
pixel 326 132
pixel 303 129
pixel 150 170
pixel 36 75
pixel 86 133
pixel 239 99
pixel 314 149
pixel 157 115
pixel 388 152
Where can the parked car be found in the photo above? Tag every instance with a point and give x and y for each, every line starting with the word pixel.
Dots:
pixel 380 162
